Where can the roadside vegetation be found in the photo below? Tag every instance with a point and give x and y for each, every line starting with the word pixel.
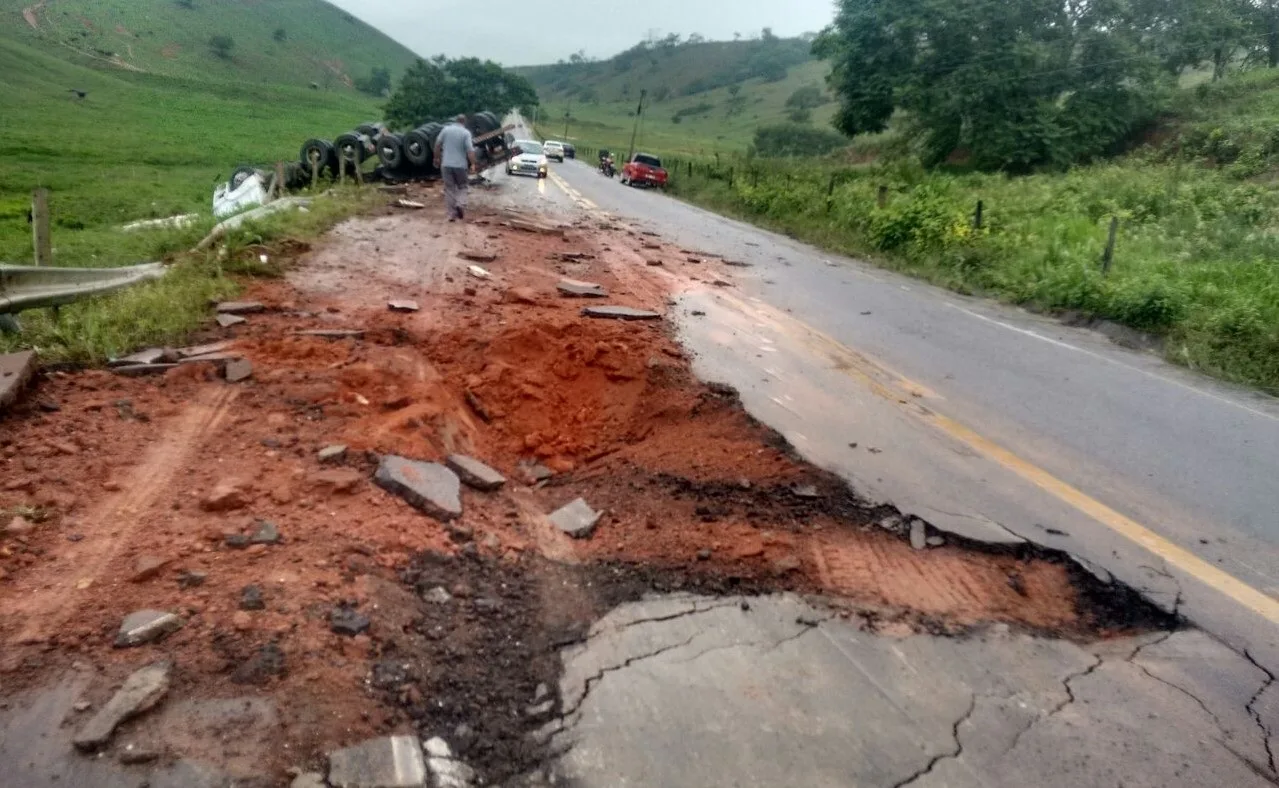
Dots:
pixel 1177 142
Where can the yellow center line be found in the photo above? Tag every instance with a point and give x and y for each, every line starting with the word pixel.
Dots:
pixel 900 390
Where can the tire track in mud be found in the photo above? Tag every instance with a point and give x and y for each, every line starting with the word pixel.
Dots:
pixel 41 608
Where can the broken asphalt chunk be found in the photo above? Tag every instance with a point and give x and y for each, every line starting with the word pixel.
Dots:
pixel 332 333
pixel 477 256
pixel 331 453
pixel 619 313
pixel 226 321
pixel 577 519
pixel 237 370
pixel 240 307
pixel 577 289
pixel 428 486
pixel 474 473
pixel 388 762
pixel 141 691
pixel 403 306
pixel 347 621
pixel 146 626
pixel 139 370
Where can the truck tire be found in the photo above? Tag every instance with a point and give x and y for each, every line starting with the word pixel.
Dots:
pixel 322 150
pixel 417 149
pixel 240 175
pixel 390 151
pixel 350 146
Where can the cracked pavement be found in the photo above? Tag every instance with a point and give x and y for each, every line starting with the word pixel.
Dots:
pixel 690 691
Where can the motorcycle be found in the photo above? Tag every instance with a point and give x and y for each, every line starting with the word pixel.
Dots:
pixel 606 166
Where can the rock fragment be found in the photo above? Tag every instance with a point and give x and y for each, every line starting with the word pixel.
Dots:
pixel 388 762
pixel 227 495
pixel 403 306
pixel 147 567
pixel 141 691
pixel 428 486
pixel 347 621
pixel 474 473
pixel 240 307
pixel 226 321
pixel 918 534
pixel 619 313
pixel 331 453
pixel 265 532
pixel 574 288
pixel 577 519
pixel 146 626
pixel 237 370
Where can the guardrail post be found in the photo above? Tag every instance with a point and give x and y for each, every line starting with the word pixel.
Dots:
pixel 40 227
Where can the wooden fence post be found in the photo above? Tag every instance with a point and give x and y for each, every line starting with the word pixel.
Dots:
pixel 40 227
pixel 315 169
pixel 690 169
pixel 977 216
pixel 1108 257
pixel 279 178
pixel 830 193
pixel 730 177
pixel 882 199
pixel 341 168
pixel 359 173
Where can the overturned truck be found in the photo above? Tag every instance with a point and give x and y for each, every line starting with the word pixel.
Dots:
pixel 407 156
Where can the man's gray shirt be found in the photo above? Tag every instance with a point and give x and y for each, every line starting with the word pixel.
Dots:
pixel 456 143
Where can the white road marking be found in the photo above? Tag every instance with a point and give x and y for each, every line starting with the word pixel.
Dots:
pixel 1116 362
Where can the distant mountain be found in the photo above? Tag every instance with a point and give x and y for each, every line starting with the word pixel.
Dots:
pixel 297 42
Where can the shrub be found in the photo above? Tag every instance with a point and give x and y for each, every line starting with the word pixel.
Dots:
pixel 795 139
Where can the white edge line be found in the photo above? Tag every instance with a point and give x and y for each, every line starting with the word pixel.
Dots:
pixel 1116 362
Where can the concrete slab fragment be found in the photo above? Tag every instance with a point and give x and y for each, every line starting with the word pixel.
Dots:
pixel 240 307
pixel 577 519
pixel 390 762
pixel 619 313
pixel 142 370
pixel 141 691
pixel 16 370
pixel 238 370
pixel 146 626
pixel 428 486
pixel 155 355
pixel 226 321
pixel 574 288
pixel 474 473
pixel 403 306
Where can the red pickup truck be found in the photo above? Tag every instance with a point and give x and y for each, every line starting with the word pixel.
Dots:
pixel 644 170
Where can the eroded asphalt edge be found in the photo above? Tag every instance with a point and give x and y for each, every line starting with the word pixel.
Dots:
pixel 1257 712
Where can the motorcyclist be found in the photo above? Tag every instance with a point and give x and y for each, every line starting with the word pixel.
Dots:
pixel 606 163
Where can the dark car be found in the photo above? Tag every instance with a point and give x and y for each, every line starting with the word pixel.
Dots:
pixel 569 151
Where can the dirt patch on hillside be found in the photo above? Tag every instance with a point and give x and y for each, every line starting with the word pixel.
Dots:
pixel 109 473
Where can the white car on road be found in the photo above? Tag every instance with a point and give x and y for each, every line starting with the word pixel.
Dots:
pixel 554 150
pixel 527 159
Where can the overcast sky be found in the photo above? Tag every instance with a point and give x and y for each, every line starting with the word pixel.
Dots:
pixel 531 32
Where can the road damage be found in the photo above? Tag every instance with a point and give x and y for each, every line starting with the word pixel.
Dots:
pixel 395 603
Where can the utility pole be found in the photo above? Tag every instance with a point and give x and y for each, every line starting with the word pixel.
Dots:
pixel 568 113
pixel 639 113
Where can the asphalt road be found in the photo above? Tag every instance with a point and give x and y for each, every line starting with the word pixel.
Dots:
pixel 987 421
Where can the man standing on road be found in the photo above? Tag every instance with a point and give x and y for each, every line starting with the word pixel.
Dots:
pixel 455 153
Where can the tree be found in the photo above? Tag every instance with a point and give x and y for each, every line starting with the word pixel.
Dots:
pixel 793 139
pixel 187 4
pixel 696 38
pixel 280 35
pixel 440 88
pixel 661 92
pixel 222 46
pixel 1017 83
pixel 377 83
pixel 807 97
pixel 800 115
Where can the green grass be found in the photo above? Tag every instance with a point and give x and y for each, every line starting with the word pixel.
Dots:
pixel 323 44
pixel 609 123
pixel 165 311
pixel 1197 260
pixel 143 146
pixel 138 147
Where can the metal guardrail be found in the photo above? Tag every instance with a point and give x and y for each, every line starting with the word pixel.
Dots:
pixel 25 287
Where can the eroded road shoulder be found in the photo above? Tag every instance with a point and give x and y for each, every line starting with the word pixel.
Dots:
pixel 764 607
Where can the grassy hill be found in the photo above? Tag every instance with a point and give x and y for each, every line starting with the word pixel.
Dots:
pixel 702 97
pixel 318 42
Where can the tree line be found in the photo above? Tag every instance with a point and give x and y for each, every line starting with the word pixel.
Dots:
pixel 1019 84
